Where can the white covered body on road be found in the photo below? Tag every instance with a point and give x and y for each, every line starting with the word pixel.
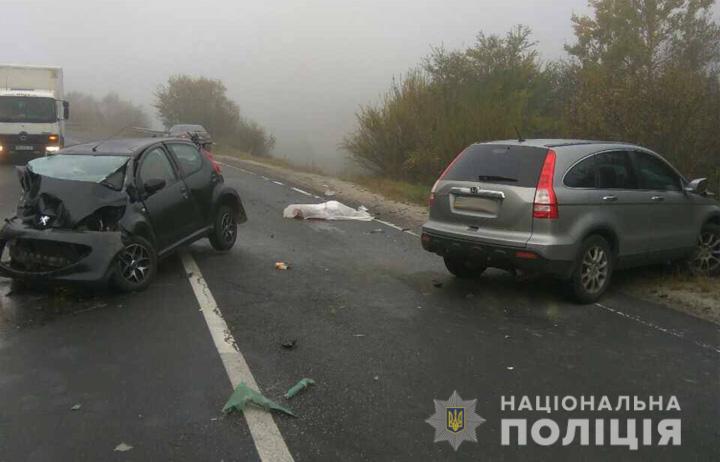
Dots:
pixel 331 210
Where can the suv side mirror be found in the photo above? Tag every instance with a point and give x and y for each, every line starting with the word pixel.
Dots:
pixel 698 186
pixel 153 185
pixel 66 110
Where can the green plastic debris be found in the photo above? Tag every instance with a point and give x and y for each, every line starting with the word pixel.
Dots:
pixel 301 385
pixel 244 395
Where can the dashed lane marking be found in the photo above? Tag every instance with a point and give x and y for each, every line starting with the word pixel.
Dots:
pixel 268 440
pixel 301 191
pixel 652 325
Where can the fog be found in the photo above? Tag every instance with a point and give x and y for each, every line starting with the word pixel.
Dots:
pixel 300 68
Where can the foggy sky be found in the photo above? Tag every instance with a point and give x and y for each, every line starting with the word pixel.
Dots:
pixel 300 68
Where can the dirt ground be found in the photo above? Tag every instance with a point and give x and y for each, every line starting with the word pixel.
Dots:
pixel 666 285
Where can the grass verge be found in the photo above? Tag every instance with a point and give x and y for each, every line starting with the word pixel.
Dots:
pixel 396 190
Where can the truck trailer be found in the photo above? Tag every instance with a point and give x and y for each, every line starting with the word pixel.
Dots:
pixel 32 111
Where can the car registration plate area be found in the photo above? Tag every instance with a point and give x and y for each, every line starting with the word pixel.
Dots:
pixel 24 147
pixel 476 204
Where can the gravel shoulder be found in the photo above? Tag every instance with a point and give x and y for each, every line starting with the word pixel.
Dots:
pixel 699 297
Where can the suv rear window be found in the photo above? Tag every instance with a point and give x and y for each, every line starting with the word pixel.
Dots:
pixel 489 163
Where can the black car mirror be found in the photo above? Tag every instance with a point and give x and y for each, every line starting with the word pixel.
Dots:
pixel 66 110
pixel 154 185
pixel 698 186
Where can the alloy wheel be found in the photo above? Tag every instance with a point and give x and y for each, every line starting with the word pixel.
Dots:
pixel 594 271
pixel 228 227
pixel 707 254
pixel 134 263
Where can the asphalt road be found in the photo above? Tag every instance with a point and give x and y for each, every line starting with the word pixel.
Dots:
pixel 373 329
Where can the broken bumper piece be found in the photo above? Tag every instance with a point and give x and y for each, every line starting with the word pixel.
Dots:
pixel 58 254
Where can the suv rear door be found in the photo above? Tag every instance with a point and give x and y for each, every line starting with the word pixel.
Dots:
pixel 601 191
pixel 487 194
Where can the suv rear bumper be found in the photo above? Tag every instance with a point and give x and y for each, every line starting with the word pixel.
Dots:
pixel 494 255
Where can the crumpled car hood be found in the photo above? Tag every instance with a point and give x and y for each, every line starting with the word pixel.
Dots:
pixel 55 203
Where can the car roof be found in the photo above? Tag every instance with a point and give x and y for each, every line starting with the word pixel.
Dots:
pixel 560 142
pixel 130 147
pixel 187 126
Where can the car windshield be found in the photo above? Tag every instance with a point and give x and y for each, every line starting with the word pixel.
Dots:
pixel 27 109
pixel 93 169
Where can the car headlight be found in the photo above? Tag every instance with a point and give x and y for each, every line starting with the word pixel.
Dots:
pixel 52 148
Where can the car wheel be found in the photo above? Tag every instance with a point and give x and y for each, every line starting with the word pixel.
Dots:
pixel 593 270
pixel 135 265
pixel 706 258
pixel 463 268
pixel 224 232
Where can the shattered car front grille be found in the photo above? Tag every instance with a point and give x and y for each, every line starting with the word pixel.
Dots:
pixel 39 255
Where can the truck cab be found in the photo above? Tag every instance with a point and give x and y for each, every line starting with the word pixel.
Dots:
pixel 32 112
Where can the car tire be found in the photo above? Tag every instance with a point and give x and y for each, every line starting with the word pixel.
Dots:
pixel 135 265
pixel 462 268
pixel 224 233
pixel 705 260
pixel 593 270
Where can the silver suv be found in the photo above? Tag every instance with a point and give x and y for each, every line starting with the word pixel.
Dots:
pixel 574 209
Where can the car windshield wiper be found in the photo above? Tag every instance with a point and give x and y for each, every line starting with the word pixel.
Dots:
pixel 496 178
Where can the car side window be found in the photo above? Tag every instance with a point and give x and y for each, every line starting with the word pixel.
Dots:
pixel 188 157
pixel 582 175
pixel 655 174
pixel 156 165
pixel 606 170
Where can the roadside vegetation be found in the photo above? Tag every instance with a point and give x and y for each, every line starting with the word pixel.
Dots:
pixel 103 117
pixel 184 99
pixel 644 71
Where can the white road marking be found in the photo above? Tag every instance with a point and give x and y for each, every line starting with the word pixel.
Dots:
pixel 301 191
pixel 394 226
pixel 651 325
pixel 264 178
pixel 277 182
pixel 386 223
pixel 268 440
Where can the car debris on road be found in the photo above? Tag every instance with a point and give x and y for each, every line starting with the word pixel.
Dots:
pixel 331 210
pixel 289 345
pixel 281 265
pixel 242 395
pixel 298 387
pixel 122 447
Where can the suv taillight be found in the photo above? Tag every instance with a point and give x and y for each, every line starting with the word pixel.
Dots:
pixel 431 199
pixel 545 205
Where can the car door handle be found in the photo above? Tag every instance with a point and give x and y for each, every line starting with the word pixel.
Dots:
pixel 658 198
pixel 610 198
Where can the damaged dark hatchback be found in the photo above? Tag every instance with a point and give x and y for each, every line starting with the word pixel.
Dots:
pixel 106 212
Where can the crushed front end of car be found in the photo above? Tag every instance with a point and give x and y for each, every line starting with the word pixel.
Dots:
pixel 64 229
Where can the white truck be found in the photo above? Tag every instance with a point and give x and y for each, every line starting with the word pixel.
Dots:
pixel 32 111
